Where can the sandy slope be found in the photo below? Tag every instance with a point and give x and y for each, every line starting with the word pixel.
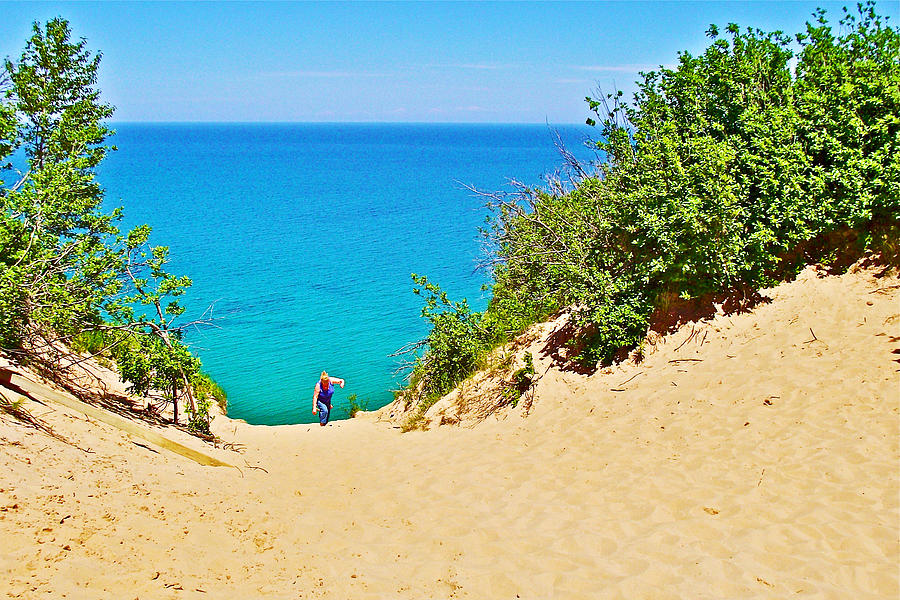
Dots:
pixel 766 466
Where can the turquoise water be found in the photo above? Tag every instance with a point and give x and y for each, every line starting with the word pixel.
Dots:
pixel 300 240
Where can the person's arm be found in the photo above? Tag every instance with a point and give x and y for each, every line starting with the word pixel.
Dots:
pixel 315 397
pixel 337 380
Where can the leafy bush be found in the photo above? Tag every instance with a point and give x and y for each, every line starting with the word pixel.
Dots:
pixel 718 170
pixel 355 406
pixel 206 387
pixel 199 417
pixel 522 379
pixel 456 343
pixel 94 342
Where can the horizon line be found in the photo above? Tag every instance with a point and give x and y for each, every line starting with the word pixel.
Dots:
pixel 212 122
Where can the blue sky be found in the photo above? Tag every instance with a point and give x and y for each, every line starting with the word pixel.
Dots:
pixel 413 62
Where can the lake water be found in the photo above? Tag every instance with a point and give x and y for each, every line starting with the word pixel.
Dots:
pixel 300 240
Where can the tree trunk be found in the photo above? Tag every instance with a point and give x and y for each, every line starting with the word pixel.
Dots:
pixel 174 401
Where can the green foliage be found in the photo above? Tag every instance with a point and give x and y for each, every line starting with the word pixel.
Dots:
pixel 54 239
pixel 199 417
pixel 522 379
pixel 355 406
pixel 93 342
pixel 66 272
pixel 848 98
pixel 523 376
pixel 149 362
pixel 719 169
pixel 54 89
pixel 205 387
pixel 8 132
pixel 456 343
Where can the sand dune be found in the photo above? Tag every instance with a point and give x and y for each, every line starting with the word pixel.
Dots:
pixel 749 456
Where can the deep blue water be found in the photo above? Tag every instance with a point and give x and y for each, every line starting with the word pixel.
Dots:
pixel 300 239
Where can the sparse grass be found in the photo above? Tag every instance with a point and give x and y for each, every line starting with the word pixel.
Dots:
pixel 205 387
pixel 15 409
pixel 355 405
pixel 414 421
pixel 522 379
pixel 97 343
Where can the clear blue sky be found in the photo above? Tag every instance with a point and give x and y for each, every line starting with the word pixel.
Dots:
pixel 428 62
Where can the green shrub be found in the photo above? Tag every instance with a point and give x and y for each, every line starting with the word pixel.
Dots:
pixel 522 379
pixel 66 270
pixel 714 176
pixel 354 406
pixel 199 417
pixel 456 344
pixel 720 167
pixel 414 421
pixel 206 387
pixel 89 342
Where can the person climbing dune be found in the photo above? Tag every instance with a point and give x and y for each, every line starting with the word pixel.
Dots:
pixel 322 394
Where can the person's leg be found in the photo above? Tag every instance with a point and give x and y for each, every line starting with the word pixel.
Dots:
pixel 327 413
pixel 323 412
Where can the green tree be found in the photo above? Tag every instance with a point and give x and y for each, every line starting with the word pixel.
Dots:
pixel 65 269
pixel 848 97
pixel 169 364
pixel 710 180
pixel 55 247
pixel 7 124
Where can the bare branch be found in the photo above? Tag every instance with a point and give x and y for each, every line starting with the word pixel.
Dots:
pixel 408 348
pixel 571 162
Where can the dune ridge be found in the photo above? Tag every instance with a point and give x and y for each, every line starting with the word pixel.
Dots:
pixel 748 456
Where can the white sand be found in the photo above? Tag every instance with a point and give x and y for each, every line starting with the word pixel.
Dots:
pixel 768 467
